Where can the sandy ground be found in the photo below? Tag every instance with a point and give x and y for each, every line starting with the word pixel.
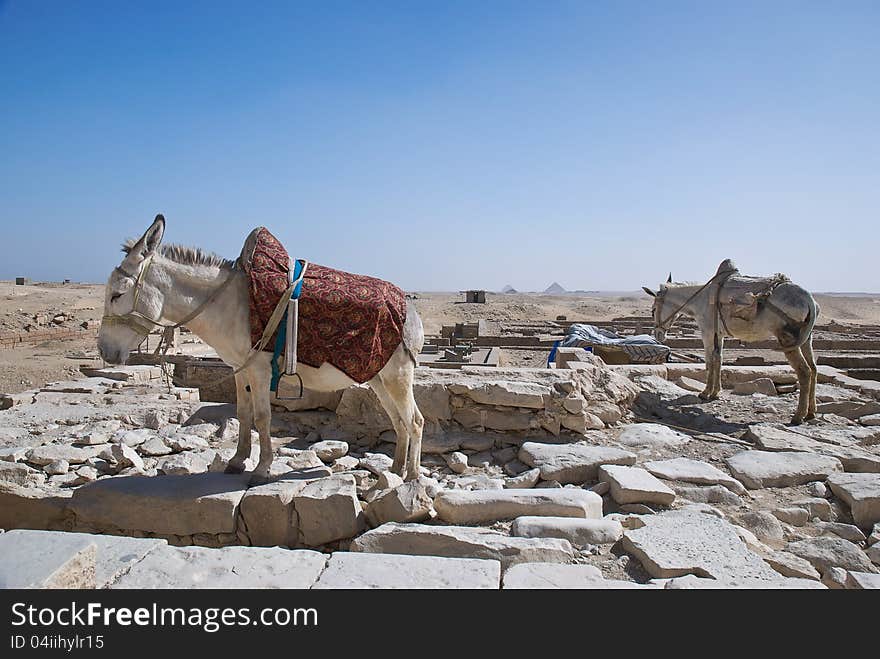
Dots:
pixel 28 366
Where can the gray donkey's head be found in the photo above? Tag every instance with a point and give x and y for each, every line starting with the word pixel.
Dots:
pixel 661 326
pixel 132 302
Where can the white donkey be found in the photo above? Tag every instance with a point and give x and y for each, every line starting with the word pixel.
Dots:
pixel 747 308
pixel 169 285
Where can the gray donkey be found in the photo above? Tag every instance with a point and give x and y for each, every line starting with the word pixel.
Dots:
pixel 169 286
pixel 747 308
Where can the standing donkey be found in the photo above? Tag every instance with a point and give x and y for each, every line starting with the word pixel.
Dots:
pixel 169 285
pixel 747 308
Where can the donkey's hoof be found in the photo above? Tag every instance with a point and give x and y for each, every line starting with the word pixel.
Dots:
pixel 232 469
pixel 811 416
pixel 796 421
pixel 706 396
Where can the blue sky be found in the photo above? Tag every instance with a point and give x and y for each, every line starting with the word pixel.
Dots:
pixel 448 145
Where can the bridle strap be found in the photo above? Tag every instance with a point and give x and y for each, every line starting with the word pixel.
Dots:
pixel 144 324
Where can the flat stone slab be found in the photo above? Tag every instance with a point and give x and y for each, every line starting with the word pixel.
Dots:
pixel 572 463
pixel 117 553
pixel 708 494
pixel 178 505
pixel 693 471
pixel 579 532
pixel 137 373
pixel 759 469
pixel 789 565
pixel 552 575
pixel 361 570
pixel 651 435
pixel 462 542
pixel 46 559
pixel 49 453
pixel 691 582
pixel 861 492
pixel 840 443
pixel 480 506
pixel 676 543
pixel 635 485
pixel 863 581
pixel 228 567
pixel 90 385
pixel 826 552
pixel 20 474
pixel 501 392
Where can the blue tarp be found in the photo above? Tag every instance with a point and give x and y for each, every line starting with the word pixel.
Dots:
pixel 641 349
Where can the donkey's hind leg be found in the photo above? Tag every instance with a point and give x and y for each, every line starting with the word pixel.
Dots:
pixel 400 451
pixel 799 364
pixel 244 410
pixel 397 376
pixel 807 351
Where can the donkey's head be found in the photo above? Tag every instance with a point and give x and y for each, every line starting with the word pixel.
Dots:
pixel 132 302
pixel 661 324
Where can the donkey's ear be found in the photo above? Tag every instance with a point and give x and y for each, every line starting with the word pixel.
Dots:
pixel 154 234
pixel 669 279
pixel 150 241
pixel 649 291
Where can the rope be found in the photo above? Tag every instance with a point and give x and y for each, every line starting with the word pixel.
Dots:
pixel 688 301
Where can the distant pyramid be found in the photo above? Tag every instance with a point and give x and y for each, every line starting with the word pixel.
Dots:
pixel 508 289
pixel 554 289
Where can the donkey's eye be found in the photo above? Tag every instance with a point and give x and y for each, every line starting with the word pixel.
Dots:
pixel 115 297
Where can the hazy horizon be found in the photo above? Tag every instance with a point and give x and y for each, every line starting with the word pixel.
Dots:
pixel 536 292
pixel 448 146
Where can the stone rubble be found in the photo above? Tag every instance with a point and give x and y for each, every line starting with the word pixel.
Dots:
pixel 825 553
pixel 579 532
pixel 635 485
pixel 530 453
pixel 572 463
pixel 693 471
pixel 760 469
pixel 462 542
pixel 482 506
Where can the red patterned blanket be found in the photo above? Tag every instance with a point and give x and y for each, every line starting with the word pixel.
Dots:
pixel 354 322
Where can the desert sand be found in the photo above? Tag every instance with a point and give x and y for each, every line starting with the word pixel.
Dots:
pixel 28 366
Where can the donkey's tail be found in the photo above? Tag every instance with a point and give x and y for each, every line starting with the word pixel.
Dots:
pixel 413 333
pixel 809 322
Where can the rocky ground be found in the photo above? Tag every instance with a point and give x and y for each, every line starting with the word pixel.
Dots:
pixel 732 498
pixel 584 476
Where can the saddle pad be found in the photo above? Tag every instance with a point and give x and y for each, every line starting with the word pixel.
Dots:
pixel 740 296
pixel 354 322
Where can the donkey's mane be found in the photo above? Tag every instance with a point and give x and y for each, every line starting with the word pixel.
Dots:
pixel 186 255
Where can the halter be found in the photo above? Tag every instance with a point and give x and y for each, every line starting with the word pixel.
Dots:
pixel 142 324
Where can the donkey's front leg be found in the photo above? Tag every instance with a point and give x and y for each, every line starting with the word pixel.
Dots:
pixel 713 369
pixel 245 413
pixel 263 421
pixel 719 359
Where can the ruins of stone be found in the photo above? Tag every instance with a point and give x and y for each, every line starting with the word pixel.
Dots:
pixel 580 475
